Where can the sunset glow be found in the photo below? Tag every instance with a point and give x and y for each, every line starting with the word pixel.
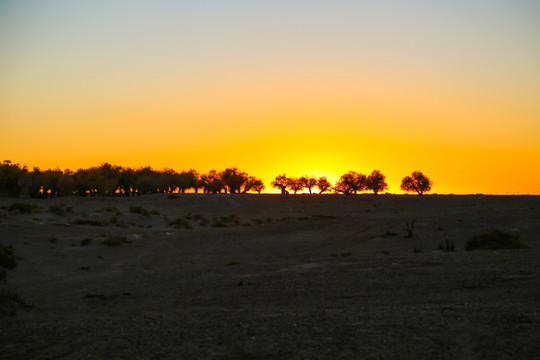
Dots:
pixel 297 87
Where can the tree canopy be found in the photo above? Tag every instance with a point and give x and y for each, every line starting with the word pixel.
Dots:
pixel 416 182
pixel 107 180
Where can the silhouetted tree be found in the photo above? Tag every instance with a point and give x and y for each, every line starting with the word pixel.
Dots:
pixel 234 179
pixel 295 185
pixel 323 184
pixel 187 180
pixel 66 183
pixel 126 181
pixel 416 182
pixel 351 183
pixel 281 182
pixel 253 184
pixel 145 181
pixel 376 182
pixel 167 180
pixel 9 177
pixel 308 182
pixel 212 182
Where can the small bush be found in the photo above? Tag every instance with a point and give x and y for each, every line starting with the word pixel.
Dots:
pixel 139 210
pixel 218 222
pixel 115 240
pixel 180 222
pixel 112 209
pixel 82 221
pixel 22 208
pixel 59 209
pixel 258 221
pixel 448 246
pixel 495 240
pixel 86 241
pixel 204 221
pixel 52 239
pixel 231 218
pixel 7 259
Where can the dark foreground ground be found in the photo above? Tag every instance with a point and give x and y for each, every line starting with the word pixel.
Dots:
pixel 293 277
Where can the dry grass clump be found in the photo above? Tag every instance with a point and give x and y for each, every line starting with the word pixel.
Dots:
pixel 115 240
pixel 91 222
pixel 495 240
pixel 60 209
pixel 22 208
pixel 7 259
pixel 224 220
pixel 86 241
pixel 181 222
pixel 139 210
pixel 112 209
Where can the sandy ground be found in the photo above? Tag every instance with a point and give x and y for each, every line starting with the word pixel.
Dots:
pixel 295 277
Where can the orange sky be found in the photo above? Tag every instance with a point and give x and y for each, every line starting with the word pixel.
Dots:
pixel 305 88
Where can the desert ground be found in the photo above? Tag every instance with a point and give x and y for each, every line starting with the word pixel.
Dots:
pixel 201 276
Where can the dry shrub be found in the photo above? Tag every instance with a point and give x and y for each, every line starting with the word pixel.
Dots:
pixel 495 240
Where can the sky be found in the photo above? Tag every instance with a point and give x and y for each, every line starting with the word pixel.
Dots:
pixel 450 88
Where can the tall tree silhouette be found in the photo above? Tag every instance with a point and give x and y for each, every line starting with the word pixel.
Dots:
pixel 308 182
pixel 416 182
pixel 281 182
pixel 212 182
pixel 351 183
pixel 295 185
pixel 253 184
pixel 376 182
pixel 323 184
pixel 234 179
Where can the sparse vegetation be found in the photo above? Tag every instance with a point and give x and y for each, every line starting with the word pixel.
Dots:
pixel 218 222
pixel 409 228
pixel 86 241
pixel 181 222
pixel 92 222
pixel 448 246
pixel 116 240
pixel 112 209
pixel 59 209
pixel 495 240
pixel 22 208
pixel 223 220
pixel 139 210
pixel 7 259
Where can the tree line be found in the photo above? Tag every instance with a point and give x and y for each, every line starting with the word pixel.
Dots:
pixel 107 180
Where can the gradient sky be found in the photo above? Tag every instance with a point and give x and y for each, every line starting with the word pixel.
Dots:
pixel 451 88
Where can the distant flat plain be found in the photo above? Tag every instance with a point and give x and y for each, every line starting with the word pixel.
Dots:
pixel 219 276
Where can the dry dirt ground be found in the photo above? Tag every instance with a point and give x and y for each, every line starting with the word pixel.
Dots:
pixel 283 277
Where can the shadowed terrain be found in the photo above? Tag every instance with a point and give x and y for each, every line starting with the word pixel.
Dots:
pixel 268 276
